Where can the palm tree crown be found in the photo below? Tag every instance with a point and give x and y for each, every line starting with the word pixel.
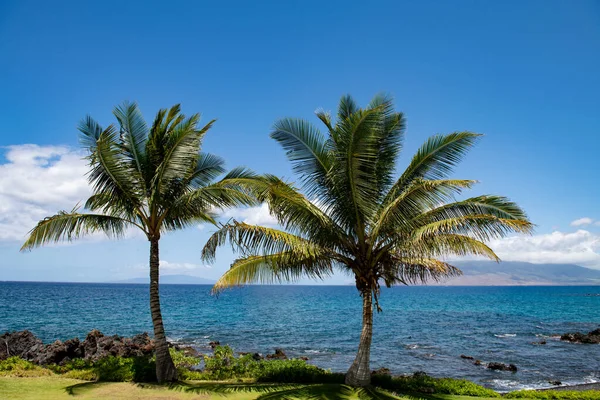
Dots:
pixel 155 179
pixel 355 214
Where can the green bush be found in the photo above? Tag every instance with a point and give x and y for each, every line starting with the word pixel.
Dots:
pixel 83 374
pixel 180 359
pixel 119 369
pixel 223 364
pixel 293 371
pixel 71 365
pixel 555 395
pixel 16 366
pixel 425 383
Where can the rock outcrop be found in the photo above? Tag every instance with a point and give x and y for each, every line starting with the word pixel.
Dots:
pixel 96 345
pixel 502 367
pixel 18 344
pixel 278 355
pixel 592 337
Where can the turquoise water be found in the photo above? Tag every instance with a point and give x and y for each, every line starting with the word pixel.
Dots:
pixel 420 328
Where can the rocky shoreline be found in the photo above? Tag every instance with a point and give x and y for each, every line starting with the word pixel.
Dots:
pixel 592 337
pixel 95 346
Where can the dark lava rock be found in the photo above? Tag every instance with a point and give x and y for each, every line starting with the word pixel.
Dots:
pixel 303 358
pixel 555 383
pixel 214 344
pixel 18 344
pixel 57 352
pixel 95 346
pixel 496 366
pixel 542 342
pixel 257 357
pixel 420 374
pixel 381 371
pixel 477 362
pixel 592 337
pixel 467 357
pixel 279 354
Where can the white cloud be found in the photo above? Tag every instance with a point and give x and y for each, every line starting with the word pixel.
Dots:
pixel 582 221
pixel 581 248
pixel 597 223
pixel 251 215
pixel 35 182
pixel 180 267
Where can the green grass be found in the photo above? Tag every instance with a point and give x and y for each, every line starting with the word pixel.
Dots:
pixel 59 388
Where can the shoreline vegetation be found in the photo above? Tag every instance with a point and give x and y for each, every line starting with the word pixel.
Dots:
pixel 100 359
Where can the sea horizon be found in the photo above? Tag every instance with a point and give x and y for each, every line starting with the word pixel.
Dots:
pixel 419 329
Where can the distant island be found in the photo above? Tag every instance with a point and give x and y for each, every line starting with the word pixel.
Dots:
pixel 509 273
pixel 475 273
pixel 171 280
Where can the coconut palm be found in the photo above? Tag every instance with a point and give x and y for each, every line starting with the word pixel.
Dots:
pixel 356 215
pixel 155 180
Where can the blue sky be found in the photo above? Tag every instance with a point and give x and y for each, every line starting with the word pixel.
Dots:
pixel 526 74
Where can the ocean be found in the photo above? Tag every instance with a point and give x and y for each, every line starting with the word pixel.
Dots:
pixel 420 329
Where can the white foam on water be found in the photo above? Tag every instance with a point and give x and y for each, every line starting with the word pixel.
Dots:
pixel 310 351
pixel 505 335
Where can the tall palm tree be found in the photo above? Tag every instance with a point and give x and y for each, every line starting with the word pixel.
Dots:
pixel 358 216
pixel 156 180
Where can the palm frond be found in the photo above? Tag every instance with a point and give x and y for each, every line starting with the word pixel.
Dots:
pixel 297 214
pixel 484 217
pixel 409 271
pixel 325 117
pixel 134 133
pixel 306 149
pixel 352 174
pixel 90 133
pixel 389 142
pixel 73 225
pixel 444 245
pixel 419 197
pixel 346 107
pixel 109 173
pixel 287 266
pixel 254 239
pixel 436 158
pixel 208 168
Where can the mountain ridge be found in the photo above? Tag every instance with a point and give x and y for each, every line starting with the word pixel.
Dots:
pixel 517 273
pixel 175 279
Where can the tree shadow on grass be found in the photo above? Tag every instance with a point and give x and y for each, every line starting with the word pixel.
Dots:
pixel 267 391
pixel 288 391
pixel 84 387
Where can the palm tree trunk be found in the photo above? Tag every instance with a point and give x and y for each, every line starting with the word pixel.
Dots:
pixel 359 373
pixel 165 369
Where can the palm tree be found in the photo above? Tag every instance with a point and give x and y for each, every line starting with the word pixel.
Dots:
pixel 156 180
pixel 357 216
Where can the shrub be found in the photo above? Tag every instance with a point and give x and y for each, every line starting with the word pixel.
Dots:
pixel 180 359
pixel 71 365
pixel 425 383
pixel 119 369
pixel 224 365
pixel 293 371
pixel 555 395
pixel 16 366
pixel 83 374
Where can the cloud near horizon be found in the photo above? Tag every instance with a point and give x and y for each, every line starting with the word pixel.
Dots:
pixel 258 215
pixel 583 221
pixel 37 181
pixel 581 247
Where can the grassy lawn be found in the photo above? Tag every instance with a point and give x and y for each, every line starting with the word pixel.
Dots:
pixel 54 388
